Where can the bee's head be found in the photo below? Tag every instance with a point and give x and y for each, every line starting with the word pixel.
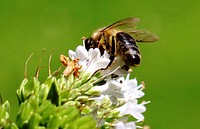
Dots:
pixel 97 35
pixel 88 42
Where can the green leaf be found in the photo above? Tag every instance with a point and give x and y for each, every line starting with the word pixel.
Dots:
pixel 74 93
pixel 20 90
pixel 53 94
pixel 6 105
pixel 45 88
pixel 34 121
pixel 54 122
pixel 62 83
pixel 70 79
pixel 82 98
pixel 24 114
pixel 93 79
pixel 11 126
pixel 45 110
pixel 86 110
pixel 4 113
pixel 34 102
pixel 43 91
pixel 43 107
pixel 85 87
pixel 71 115
pixel 77 83
pixel 49 81
pixel 72 103
pixel 98 74
pixel 93 92
pixel 63 111
pixel 86 122
pixel 64 95
pixel 27 88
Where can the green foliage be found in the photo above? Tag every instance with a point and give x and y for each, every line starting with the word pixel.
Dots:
pixel 4 113
pixel 47 105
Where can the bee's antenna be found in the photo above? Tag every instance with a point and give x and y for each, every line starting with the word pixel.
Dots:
pixel 26 64
pixel 38 68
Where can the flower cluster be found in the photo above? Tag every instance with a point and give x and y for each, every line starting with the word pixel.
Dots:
pixel 116 100
pixel 90 93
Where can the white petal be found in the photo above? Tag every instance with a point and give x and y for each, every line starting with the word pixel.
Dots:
pixel 94 55
pixel 102 88
pixel 115 68
pixel 129 125
pixel 132 83
pixel 100 98
pixel 121 80
pixel 102 63
pixel 120 125
pixel 81 52
pixel 129 85
pixel 71 54
pixel 133 109
pixel 106 55
pixel 132 95
pixel 138 116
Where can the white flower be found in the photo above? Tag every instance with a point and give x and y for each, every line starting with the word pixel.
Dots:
pixel 111 87
pixel 134 109
pixel 119 95
pixel 114 88
pixel 80 52
pixel 131 89
pixel 91 60
pixel 121 87
pixel 129 125
pixel 131 92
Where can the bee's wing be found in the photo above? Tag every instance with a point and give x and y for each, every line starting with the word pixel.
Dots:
pixel 125 24
pixel 143 36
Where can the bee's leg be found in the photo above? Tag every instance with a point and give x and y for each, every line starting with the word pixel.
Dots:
pixel 104 38
pixel 111 60
pixel 114 49
pixel 101 49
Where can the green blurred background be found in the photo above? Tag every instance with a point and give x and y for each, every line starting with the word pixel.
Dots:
pixel 170 67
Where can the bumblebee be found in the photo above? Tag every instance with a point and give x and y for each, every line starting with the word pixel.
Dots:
pixel 119 39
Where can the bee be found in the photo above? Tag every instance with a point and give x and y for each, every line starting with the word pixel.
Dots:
pixel 120 39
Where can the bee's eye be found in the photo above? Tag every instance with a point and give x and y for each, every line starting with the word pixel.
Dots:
pixel 87 43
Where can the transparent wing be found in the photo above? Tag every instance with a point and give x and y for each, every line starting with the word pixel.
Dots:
pixel 143 36
pixel 124 25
